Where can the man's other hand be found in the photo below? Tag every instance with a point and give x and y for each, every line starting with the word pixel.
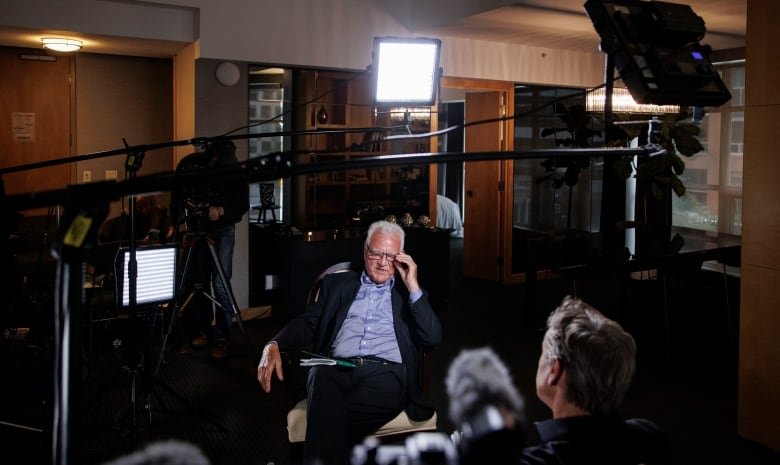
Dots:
pixel 270 362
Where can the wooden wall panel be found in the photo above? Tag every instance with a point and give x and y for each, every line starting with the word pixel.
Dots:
pixel 759 364
pixel 761 189
pixel 758 414
pixel 762 53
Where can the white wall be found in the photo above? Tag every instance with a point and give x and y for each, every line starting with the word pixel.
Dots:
pixel 327 33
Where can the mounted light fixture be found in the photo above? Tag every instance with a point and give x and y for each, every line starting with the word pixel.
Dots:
pixel 405 71
pixel 655 47
pixel 410 113
pixel 61 44
pixel 623 102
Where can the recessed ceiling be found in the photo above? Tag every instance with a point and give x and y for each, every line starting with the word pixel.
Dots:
pixel 563 24
pixel 558 24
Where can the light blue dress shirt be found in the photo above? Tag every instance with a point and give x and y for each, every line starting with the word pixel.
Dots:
pixel 368 328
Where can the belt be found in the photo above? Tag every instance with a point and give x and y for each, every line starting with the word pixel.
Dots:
pixel 368 359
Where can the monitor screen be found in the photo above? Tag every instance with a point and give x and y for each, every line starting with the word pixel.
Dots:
pixel 156 280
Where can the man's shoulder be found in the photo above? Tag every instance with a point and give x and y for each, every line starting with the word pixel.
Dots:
pixel 589 439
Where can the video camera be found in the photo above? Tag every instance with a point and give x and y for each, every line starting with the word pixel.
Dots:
pixel 424 448
pixel 196 206
pixel 197 198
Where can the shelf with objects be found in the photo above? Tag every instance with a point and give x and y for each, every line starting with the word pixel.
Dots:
pixel 332 101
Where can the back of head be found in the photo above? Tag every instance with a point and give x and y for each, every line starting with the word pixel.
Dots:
pixel 224 150
pixel 597 354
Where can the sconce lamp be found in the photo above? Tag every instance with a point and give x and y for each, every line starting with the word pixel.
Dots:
pixel 623 102
pixel 405 71
pixel 61 44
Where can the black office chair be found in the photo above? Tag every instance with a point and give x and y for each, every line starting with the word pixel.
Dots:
pixel 396 428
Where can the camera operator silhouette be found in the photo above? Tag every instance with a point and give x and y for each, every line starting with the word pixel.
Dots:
pixel 211 213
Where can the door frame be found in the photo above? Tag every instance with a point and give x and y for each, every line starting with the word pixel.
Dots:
pixel 506 166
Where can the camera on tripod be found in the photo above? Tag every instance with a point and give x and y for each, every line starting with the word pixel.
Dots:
pixel 197 202
pixel 423 448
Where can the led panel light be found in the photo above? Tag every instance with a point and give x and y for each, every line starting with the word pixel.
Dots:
pixel 156 279
pixel 405 71
pixel 656 50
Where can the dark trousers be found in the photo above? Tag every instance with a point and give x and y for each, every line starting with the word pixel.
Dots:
pixel 347 404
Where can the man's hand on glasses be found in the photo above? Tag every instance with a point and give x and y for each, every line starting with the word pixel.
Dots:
pixel 407 270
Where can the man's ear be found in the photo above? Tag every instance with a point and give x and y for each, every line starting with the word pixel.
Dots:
pixel 555 373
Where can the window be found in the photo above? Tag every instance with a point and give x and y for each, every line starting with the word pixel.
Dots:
pixel 266 104
pixel 713 177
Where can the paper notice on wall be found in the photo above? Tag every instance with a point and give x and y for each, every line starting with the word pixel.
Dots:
pixel 23 126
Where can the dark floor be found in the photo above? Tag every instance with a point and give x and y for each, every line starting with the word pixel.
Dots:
pixel 686 377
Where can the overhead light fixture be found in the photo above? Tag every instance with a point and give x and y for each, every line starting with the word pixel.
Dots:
pixel 623 102
pixel 61 44
pixel 405 71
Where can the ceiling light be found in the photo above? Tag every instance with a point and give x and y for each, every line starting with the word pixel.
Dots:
pixel 61 44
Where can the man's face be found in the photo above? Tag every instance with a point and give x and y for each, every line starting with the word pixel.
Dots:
pixel 379 255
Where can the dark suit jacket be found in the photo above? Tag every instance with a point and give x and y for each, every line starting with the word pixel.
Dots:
pixel 416 327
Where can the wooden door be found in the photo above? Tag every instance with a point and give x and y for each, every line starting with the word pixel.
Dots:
pixel 482 240
pixel 35 117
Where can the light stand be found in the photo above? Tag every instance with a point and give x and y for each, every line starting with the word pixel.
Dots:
pixel 613 189
pixel 83 216
pixel 135 358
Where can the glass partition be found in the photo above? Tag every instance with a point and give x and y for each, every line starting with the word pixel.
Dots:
pixel 556 204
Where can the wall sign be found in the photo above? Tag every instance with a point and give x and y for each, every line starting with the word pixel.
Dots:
pixel 23 126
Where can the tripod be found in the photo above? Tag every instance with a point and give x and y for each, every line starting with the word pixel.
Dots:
pixel 198 241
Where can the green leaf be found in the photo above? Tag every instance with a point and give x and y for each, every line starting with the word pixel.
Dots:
pixel 678 165
pixel 686 129
pixel 677 186
pixel 688 145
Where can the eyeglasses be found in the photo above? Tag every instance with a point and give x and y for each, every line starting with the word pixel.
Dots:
pixel 377 255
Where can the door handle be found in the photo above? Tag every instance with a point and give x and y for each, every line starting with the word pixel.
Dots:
pixel 470 193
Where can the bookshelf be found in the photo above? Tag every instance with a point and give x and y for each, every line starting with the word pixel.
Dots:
pixel 342 100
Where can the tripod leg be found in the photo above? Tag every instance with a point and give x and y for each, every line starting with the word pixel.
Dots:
pixel 171 323
pixel 229 292
pixel 177 309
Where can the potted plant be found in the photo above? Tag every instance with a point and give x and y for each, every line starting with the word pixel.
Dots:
pixel 657 176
